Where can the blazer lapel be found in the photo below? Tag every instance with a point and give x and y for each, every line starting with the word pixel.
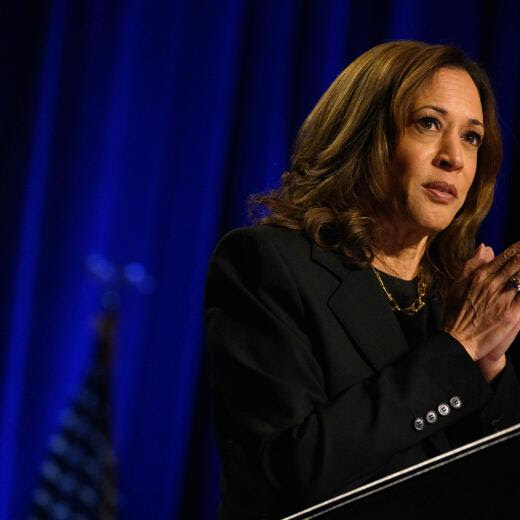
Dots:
pixel 362 307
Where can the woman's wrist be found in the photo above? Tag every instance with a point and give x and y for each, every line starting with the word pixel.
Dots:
pixel 490 368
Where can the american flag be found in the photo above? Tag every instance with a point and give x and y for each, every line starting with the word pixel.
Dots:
pixel 78 479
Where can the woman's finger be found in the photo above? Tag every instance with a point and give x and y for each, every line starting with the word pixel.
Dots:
pixel 503 258
pixel 508 270
pixel 483 255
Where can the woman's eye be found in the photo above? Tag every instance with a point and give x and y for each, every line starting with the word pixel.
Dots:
pixel 429 123
pixel 474 138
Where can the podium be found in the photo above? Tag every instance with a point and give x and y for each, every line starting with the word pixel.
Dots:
pixel 478 480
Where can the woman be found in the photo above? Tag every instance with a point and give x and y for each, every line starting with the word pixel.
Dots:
pixel 354 330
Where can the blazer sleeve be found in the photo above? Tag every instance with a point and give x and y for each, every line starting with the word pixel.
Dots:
pixel 277 429
pixel 501 411
pixel 504 408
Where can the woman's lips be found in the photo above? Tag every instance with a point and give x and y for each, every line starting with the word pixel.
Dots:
pixel 442 186
pixel 438 195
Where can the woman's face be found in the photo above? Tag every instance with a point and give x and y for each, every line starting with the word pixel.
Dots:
pixel 436 158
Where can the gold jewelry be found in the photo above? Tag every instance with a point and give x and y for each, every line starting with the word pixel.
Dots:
pixel 418 303
pixel 515 282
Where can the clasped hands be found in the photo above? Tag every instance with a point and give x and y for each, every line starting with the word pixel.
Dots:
pixel 483 308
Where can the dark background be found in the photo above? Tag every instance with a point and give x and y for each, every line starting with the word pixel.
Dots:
pixel 136 129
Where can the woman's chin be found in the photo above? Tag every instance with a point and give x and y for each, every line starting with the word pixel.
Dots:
pixel 430 226
pixel 433 222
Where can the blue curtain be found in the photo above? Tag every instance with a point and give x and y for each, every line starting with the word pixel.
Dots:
pixel 136 129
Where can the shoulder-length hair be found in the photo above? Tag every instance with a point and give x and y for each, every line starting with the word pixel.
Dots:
pixel 340 177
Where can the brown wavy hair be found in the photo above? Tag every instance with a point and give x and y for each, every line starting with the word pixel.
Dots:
pixel 339 177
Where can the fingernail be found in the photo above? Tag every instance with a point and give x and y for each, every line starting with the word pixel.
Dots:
pixel 481 246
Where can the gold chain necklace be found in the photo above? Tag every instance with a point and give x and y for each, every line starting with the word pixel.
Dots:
pixel 416 305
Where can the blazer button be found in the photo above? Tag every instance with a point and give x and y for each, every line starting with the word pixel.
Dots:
pixel 418 424
pixel 431 416
pixel 444 409
pixel 455 401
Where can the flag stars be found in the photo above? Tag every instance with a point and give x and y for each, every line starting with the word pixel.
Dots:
pixel 58 444
pixel 67 483
pixel 50 470
pixel 42 498
pixel 60 511
pixel 87 495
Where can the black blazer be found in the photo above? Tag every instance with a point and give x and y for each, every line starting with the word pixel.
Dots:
pixel 315 389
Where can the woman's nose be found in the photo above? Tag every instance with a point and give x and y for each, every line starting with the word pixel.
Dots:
pixel 450 154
